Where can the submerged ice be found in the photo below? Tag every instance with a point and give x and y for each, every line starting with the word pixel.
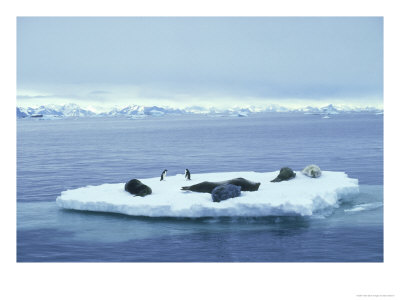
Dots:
pixel 300 196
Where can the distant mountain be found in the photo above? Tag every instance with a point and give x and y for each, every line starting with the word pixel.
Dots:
pixel 45 110
pixel 73 110
pixel 334 110
pixel 326 110
pixel 234 111
pixel 21 114
pixel 276 108
pixel 68 110
pixel 142 111
pixel 137 111
pixel 197 110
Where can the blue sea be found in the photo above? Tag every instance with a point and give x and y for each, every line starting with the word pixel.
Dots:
pixel 56 155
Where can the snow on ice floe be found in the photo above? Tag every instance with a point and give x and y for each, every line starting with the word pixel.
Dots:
pixel 302 195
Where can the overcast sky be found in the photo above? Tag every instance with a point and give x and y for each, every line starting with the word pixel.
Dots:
pixel 204 61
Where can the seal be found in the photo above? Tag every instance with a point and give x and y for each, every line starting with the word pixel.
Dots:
pixel 312 171
pixel 208 186
pixel 137 188
pixel 163 174
pixel 187 174
pixel 284 174
pixel 225 191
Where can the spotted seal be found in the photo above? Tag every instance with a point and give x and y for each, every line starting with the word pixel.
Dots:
pixel 225 191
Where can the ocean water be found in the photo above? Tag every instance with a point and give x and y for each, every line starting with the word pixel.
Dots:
pixel 56 155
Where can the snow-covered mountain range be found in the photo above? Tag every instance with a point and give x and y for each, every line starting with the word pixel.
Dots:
pixel 137 111
pixel 68 110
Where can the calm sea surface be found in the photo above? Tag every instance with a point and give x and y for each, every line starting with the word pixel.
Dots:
pixel 56 155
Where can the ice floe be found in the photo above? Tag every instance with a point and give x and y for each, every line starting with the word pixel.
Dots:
pixel 300 196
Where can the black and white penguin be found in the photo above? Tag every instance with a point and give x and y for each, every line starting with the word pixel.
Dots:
pixel 187 174
pixel 163 174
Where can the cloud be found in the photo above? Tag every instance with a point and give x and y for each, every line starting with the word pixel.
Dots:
pixel 21 97
pixel 99 92
pixel 205 58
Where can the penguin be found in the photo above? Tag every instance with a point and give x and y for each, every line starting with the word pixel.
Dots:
pixel 187 174
pixel 163 174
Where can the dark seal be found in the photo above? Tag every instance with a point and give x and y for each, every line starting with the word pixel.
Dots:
pixel 136 187
pixel 285 174
pixel 207 186
pixel 225 191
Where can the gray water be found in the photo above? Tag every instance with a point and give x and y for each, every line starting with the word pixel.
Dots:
pixel 55 155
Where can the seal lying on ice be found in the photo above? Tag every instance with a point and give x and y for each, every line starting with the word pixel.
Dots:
pixel 225 191
pixel 284 174
pixel 207 186
pixel 312 171
pixel 136 187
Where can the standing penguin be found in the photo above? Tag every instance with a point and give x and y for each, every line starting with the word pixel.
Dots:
pixel 187 174
pixel 163 174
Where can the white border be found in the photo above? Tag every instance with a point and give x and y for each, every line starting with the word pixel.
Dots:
pixel 199 281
